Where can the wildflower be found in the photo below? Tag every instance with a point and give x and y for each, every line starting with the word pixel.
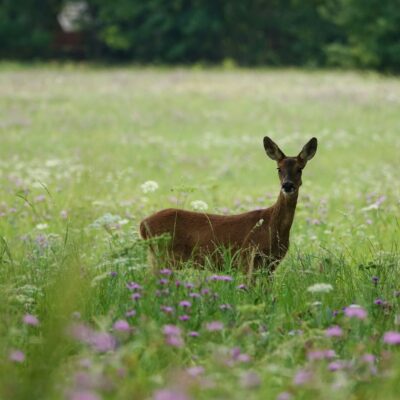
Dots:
pixel 320 288
pixel 64 214
pixel 320 354
pixel 334 331
pixel 184 317
pixel 194 334
pixel 195 371
pixel 242 286
pixel 224 278
pixel 133 286
pixel 391 337
pixel 224 307
pixel 194 295
pixel 171 330
pixel 149 186
pixel 199 205
pixel 335 366
pixel 215 326
pixel 130 313
pixel 378 302
pixel 17 356
pixel 121 326
pixel 167 309
pixel 165 271
pixel 189 285
pixel 355 311
pixel 136 296
pixel 163 281
pixel 368 358
pixel 303 376
pixel 205 291
pixel 375 280
pixel 102 342
pixel 185 304
pixel 30 319
pixel 174 341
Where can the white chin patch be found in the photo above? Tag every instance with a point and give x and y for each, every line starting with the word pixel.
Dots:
pixel 288 193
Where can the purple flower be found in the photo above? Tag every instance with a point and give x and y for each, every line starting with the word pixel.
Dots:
pixel 378 302
pixel 103 342
pixel 242 286
pixel 133 286
pixel 334 331
pixel 194 295
pixel 185 304
pixel 194 334
pixel 355 311
pixel 113 274
pixel 174 341
pixel 130 313
pixel 224 307
pixel 215 326
pixel 167 309
pixel 303 376
pixel 205 291
pixel 30 319
pixel 391 337
pixel 163 281
pixel 195 371
pixel 122 326
pixel 335 366
pixel 189 285
pixel 16 356
pixel 375 280
pixel 169 394
pixel 165 271
pixel 171 330
pixel 136 296
pixel 368 358
pixel 223 278
pixel 320 354
pixel 184 317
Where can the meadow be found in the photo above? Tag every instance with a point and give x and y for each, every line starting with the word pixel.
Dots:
pixel 82 315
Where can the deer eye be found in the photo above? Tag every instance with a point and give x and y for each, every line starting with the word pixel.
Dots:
pixel 279 170
pixel 299 170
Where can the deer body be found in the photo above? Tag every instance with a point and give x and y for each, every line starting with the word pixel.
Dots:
pixel 260 235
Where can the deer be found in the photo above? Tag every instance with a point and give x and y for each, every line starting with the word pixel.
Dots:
pixel 260 237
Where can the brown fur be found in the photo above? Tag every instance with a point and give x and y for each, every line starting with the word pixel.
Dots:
pixel 260 235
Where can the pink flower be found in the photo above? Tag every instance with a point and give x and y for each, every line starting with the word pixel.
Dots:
pixel 215 326
pixel 194 295
pixel 102 342
pixel 185 304
pixel 335 366
pixel 224 278
pixel 171 330
pixel 303 376
pixel 122 326
pixel 284 396
pixel 133 286
pixel 130 313
pixel 83 395
pixel 30 319
pixel 184 317
pixel 17 356
pixel 391 337
pixel 355 311
pixel 368 358
pixel 334 331
pixel 165 271
pixel 174 341
pixel 136 296
pixel 320 354
pixel 194 334
pixel 167 309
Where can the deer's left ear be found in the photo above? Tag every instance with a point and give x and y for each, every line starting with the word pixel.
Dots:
pixel 309 150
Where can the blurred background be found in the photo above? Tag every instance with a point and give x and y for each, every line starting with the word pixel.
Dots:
pixel 312 33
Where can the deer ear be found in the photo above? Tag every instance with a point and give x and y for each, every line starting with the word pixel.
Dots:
pixel 272 150
pixel 309 150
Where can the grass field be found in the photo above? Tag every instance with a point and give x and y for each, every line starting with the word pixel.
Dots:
pixel 83 318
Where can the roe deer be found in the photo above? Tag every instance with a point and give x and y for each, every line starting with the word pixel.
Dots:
pixel 261 235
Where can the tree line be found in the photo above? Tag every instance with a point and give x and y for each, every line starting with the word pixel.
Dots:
pixel 344 33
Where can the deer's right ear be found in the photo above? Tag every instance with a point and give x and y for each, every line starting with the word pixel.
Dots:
pixel 272 150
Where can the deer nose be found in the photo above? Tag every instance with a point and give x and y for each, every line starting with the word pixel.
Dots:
pixel 288 187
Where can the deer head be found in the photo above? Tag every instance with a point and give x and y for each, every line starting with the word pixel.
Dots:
pixel 290 168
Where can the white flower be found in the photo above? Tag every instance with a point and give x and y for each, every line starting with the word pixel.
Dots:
pixel 149 186
pixel 42 226
pixel 320 288
pixel 123 221
pixel 199 205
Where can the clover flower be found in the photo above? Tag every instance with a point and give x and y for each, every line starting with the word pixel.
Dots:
pixel 16 356
pixel 320 288
pixel 199 205
pixel 30 319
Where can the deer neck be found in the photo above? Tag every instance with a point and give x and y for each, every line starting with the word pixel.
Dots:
pixel 283 214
